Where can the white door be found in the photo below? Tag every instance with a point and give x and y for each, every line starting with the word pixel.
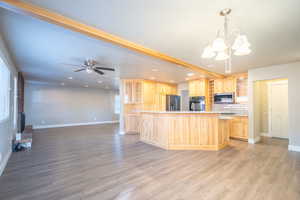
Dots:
pixel 278 108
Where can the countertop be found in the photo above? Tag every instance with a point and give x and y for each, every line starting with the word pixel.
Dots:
pixel 224 113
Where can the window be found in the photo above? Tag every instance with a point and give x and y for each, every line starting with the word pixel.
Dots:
pixel 4 91
pixel 117 104
pixel 15 102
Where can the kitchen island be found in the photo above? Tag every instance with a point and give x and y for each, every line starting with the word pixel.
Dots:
pixel 185 130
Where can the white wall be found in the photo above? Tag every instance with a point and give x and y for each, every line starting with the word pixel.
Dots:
pixel 55 105
pixel 292 72
pixel 7 130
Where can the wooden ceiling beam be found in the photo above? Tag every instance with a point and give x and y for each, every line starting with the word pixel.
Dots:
pixel 54 18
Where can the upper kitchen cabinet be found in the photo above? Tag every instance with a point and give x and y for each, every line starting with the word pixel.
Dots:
pixel 227 85
pixel 218 86
pixel 242 89
pixel 198 87
pixel 132 91
pixel 149 95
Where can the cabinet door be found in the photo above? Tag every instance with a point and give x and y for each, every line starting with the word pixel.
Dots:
pixel 242 87
pixel 229 85
pixel 245 127
pixel 239 128
pixel 192 89
pixel 218 86
pixel 132 123
pixel 128 91
pixel 202 87
pixel 148 92
pixel 137 92
pixel 197 88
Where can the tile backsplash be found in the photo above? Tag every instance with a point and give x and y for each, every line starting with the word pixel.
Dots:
pixel 236 108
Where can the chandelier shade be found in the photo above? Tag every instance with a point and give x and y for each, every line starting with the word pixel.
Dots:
pixel 208 52
pixel 219 45
pixel 240 41
pixel 222 55
pixel 242 51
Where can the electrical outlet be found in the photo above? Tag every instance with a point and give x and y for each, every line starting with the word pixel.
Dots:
pixel 95 118
pixel 43 122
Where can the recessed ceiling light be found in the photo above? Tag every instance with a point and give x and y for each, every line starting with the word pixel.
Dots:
pixel 190 74
pixel 152 78
pixel 62 84
pixel 172 81
pixel 86 86
pixel 154 70
pixel 70 78
pixel 100 81
pixel 187 79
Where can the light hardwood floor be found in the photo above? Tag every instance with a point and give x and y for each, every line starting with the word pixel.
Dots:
pixel 94 162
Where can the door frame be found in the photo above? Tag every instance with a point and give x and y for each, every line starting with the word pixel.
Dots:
pixel 271 83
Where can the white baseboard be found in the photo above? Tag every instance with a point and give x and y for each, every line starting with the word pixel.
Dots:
pixel 266 134
pixel 294 148
pixel 4 161
pixel 73 124
pixel 254 140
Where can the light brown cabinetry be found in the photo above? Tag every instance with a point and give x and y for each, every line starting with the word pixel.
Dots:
pixel 225 85
pixel 239 127
pixel 161 90
pixel 218 86
pixel 242 87
pixel 143 95
pixel 132 122
pixel 147 95
pixel 132 91
pixel 184 131
pixel 198 87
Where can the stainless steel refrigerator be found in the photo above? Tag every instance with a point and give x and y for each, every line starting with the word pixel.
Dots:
pixel 173 103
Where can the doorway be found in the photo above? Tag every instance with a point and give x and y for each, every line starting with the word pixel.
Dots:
pixel 271 108
pixel 278 108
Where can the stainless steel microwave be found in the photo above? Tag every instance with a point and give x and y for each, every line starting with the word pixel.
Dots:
pixel 224 98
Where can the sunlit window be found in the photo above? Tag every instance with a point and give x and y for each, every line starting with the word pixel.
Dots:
pixel 4 91
pixel 117 104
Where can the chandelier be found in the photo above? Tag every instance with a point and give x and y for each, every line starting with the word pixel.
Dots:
pixel 222 47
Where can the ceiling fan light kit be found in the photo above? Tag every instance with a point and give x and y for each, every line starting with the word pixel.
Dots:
pixel 90 66
pixel 221 48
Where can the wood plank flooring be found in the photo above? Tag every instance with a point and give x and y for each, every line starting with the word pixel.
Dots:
pixel 95 163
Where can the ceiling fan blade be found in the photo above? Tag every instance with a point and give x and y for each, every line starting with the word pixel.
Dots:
pixel 78 70
pixel 105 68
pixel 70 64
pixel 98 72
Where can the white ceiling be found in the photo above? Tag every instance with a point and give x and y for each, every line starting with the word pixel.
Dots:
pixel 178 28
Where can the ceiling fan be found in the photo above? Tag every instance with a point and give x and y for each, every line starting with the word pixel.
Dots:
pixel 90 66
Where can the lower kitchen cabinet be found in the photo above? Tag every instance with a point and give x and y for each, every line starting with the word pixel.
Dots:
pixel 239 127
pixel 132 123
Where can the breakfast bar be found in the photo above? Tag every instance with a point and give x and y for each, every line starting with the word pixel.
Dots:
pixel 185 130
